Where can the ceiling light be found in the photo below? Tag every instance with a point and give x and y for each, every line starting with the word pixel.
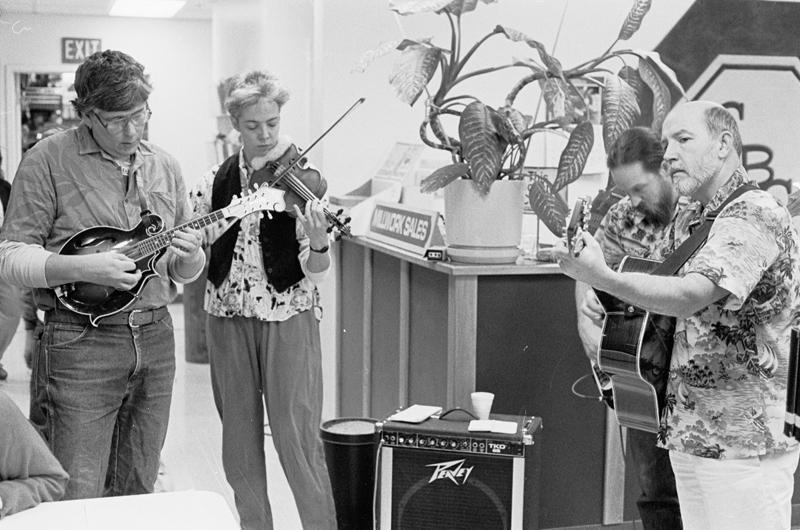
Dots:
pixel 146 8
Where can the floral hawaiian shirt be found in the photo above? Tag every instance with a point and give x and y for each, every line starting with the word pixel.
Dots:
pixel 727 386
pixel 245 292
pixel 624 231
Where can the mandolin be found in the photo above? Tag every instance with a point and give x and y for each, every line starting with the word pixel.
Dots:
pixel 144 244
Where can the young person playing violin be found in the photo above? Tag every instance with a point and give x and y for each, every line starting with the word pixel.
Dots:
pixel 263 310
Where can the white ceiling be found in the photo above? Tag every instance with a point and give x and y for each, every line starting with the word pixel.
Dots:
pixel 193 9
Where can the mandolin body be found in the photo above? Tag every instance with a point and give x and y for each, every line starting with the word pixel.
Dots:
pixel 98 301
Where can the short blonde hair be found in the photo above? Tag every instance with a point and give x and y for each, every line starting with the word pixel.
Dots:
pixel 251 87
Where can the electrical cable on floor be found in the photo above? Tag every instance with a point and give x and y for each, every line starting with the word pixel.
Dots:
pixel 598 397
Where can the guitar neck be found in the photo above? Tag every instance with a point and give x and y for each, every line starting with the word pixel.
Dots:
pixel 162 240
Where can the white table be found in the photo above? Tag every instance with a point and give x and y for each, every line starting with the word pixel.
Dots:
pixel 180 510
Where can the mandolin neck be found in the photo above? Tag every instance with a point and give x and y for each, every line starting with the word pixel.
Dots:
pixel 162 240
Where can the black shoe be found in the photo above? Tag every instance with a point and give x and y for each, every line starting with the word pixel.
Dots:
pixel 3 373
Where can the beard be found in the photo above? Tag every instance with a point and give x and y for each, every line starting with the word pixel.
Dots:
pixel 659 213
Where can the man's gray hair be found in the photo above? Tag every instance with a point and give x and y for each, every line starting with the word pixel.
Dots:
pixel 719 120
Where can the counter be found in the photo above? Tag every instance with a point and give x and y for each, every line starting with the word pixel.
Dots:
pixel 417 331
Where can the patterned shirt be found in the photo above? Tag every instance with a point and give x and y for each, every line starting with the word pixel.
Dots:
pixel 624 231
pixel 727 386
pixel 66 183
pixel 245 291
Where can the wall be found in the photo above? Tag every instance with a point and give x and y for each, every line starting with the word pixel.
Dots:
pixel 176 54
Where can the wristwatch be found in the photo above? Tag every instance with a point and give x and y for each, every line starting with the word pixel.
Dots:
pixel 322 250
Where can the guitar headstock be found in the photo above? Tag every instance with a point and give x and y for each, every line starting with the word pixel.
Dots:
pixel 577 221
pixel 263 198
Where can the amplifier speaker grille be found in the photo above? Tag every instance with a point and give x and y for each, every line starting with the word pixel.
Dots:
pixel 425 489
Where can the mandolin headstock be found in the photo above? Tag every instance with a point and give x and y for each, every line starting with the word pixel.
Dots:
pixel 262 198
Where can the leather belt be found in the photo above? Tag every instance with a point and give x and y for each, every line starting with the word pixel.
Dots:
pixel 133 319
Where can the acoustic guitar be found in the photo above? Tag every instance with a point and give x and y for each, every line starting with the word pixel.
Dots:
pixel 634 352
pixel 144 244
pixel 635 345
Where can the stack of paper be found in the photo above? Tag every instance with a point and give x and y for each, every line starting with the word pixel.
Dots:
pixel 498 426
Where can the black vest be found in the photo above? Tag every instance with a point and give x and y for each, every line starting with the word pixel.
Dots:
pixel 278 236
pixel 5 192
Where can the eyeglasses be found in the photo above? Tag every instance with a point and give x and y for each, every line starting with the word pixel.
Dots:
pixel 118 124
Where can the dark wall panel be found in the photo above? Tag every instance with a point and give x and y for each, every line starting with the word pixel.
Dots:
pixel 529 355
pixel 352 332
pixel 428 337
pixel 385 334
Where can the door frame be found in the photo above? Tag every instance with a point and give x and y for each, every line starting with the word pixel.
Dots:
pixel 12 110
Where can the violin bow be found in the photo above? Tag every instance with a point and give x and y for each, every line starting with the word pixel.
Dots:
pixel 286 170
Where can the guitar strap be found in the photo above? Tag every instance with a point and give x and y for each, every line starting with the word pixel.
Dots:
pixel 140 190
pixel 681 255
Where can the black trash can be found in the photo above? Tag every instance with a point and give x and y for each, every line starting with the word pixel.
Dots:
pixel 351 446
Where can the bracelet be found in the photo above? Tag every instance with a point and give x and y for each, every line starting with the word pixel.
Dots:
pixel 322 250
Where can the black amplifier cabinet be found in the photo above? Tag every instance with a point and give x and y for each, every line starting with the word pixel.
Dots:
pixel 438 475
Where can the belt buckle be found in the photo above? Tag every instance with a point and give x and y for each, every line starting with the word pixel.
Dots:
pixel 131 319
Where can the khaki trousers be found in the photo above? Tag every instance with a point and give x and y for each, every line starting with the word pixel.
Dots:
pixel 278 363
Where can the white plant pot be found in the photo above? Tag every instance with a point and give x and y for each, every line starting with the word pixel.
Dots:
pixel 483 228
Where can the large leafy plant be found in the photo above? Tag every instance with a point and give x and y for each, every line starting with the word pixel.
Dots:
pixel 492 143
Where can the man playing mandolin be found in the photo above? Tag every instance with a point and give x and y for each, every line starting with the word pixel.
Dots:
pixel 101 394
pixel 632 227
pixel 263 309
pixel 735 301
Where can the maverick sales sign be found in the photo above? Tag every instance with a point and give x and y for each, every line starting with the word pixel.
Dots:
pixel 408 228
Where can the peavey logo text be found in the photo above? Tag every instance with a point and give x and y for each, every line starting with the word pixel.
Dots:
pixel 453 470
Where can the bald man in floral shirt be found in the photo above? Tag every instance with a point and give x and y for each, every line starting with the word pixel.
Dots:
pixel 736 300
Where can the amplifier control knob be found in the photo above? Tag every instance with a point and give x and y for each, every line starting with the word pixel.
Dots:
pixel 453 444
pixel 401 439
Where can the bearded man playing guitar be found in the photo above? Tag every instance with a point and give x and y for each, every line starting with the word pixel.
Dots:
pixel 632 227
pixel 101 388
pixel 735 301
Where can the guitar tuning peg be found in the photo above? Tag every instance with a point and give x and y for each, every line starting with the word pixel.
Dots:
pixel 347 219
pixel 256 185
pixel 329 229
pixel 339 212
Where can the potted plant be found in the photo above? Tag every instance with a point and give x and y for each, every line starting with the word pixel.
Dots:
pixel 491 143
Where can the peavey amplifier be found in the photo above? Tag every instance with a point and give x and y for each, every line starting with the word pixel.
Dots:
pixel 438 475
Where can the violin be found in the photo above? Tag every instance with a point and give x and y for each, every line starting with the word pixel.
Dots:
pixel 301 184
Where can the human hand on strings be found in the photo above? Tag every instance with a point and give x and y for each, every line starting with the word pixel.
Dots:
pixel 314 223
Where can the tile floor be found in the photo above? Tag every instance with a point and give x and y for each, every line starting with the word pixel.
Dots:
pixel 192 450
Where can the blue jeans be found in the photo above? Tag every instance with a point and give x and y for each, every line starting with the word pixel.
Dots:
pixel 658 503
pixel 101 398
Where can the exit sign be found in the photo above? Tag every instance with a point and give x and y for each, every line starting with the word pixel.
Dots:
pixel 77 49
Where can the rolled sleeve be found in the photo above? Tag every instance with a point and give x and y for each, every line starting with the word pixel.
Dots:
pixel 739 251
pixel 305 252
pixel 23 264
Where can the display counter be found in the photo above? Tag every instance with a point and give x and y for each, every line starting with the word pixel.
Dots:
pixel 428 332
